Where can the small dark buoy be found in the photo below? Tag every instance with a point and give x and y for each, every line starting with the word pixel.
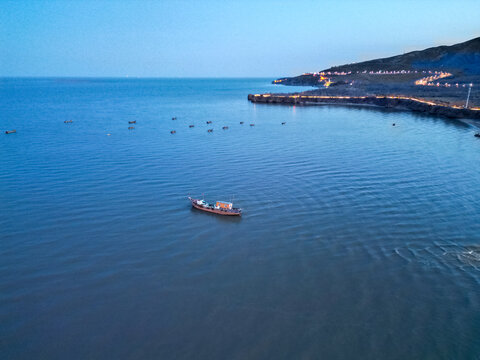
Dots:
pixel 209 122
pixel 174 118
pixel 132 122
pixel 225 128
pixel 173 132
pixel 283 123
pixel 131 127
pixel 190 126
pixel 241 122
pixel 252 124
pixel 210 130
pixel 476 135
pixel 10 131
pixel 393 124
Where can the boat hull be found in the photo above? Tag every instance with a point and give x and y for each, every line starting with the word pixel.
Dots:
pixel 233 212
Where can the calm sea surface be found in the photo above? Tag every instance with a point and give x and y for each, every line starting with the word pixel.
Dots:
pixel 359 240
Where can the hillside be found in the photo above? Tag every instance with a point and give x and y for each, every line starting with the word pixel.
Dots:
pixel 442 73
pixel 461 59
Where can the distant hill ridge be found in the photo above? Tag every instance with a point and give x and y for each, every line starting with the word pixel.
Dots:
pixel 463 57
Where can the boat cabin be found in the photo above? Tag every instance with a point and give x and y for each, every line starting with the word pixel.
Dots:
pixel 224 205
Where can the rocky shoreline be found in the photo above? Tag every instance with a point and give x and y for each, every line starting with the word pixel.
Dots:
pixel 391 102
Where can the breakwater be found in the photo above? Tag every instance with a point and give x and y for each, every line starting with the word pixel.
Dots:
pixel 387 101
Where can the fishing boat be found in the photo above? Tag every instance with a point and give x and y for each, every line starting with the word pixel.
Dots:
pixel 220 207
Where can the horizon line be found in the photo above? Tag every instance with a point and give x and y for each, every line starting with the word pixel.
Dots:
pixel 132 77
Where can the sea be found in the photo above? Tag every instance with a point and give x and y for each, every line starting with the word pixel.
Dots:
pixel 358 240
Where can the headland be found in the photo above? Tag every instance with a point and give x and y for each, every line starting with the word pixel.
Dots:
pixel 442 81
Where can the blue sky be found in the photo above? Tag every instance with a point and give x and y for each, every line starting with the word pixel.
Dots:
pixel 219 38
